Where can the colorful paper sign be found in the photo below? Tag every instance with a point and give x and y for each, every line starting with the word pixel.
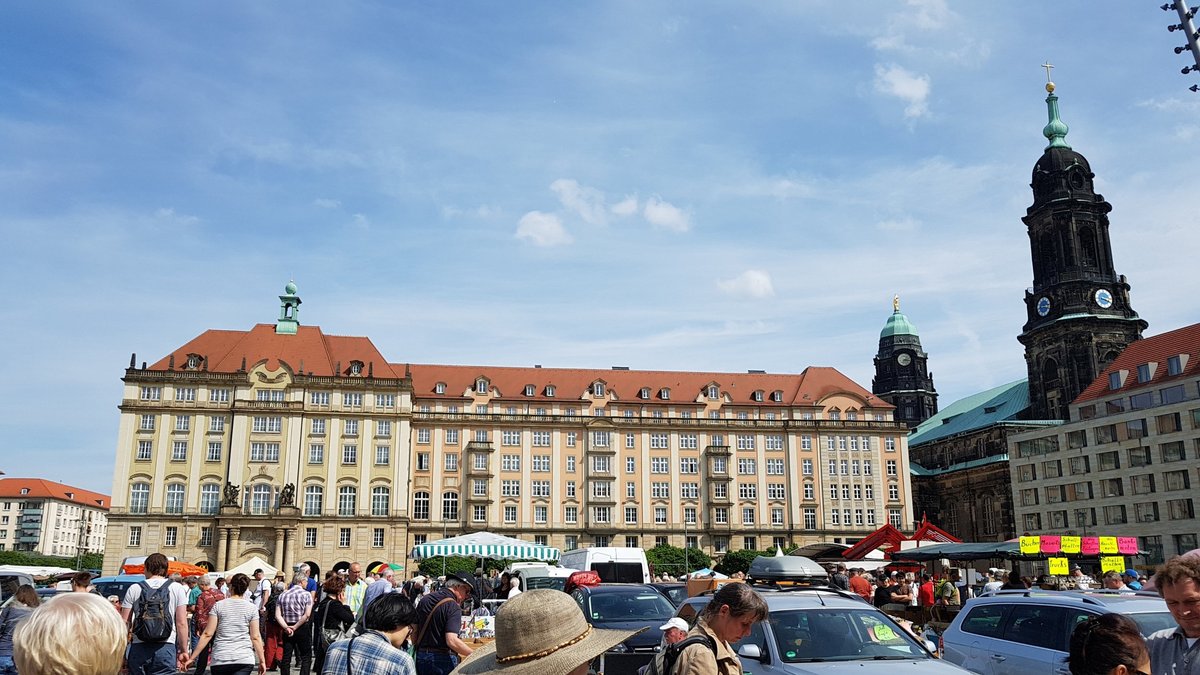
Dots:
pixel 1089 546
pixel 1031 545
pixel 1070 545
pixel 1127 545
pixel 1059 567
pixel 1112 564
pixel 1051 543
pixel 1108 545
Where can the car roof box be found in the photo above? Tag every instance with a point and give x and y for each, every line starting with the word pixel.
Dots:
pixel 788 569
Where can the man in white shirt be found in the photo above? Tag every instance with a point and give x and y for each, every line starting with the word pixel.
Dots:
pixel 158 657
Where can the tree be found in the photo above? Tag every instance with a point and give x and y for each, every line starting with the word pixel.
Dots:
pixel 671 560
pixel 738 561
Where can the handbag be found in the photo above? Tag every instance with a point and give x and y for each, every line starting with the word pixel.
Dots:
pixel 328 635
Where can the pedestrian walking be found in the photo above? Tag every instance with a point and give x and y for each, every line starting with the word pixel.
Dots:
pixel 232 631
pixel 157 610
pixel 208 598
pixel 292 613
pixel 71 634
pixel 25 600
pixel 333 616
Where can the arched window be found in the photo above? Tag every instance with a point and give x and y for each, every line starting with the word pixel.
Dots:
pixel 314 500
pixel 210 498
pixel 712 391
pixel 1068 248
pixel 449 506
pixel 381 500
pixel 139 497
pixel 1087 247
pixel 481 386
pixel 347 498
pixel 597 389
pixel 1046 254
pixel 420 506
pixel 260 498
pixel 1049 371
pixel 174 501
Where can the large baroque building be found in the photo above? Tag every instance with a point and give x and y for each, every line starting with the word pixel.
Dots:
pixel 51 518
pixel 295 445
pixel 1125 463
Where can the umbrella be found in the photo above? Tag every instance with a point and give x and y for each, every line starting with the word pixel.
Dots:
pixel 379 569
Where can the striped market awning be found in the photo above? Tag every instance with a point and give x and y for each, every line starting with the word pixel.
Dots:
pixel 486 545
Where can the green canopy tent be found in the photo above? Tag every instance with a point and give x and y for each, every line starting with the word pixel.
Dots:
pixel 486 545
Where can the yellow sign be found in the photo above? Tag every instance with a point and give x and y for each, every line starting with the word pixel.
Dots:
pixel 1031 545
pixel 1059 567
pixel 1109 545
pixel 1110 563
pixel 1070 544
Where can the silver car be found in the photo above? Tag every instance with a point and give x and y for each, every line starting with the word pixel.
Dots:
pixel 823 630
pixel 1018 632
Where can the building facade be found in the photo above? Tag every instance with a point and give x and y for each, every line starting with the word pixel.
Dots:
pixel 1079 316
pixel 902 375
pixel 294 445
pixel 51 518
pixel 1125 462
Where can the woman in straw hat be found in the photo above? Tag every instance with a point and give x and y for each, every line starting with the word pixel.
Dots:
pixel 542 632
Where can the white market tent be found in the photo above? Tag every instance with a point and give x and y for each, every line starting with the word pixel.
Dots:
pixel 36 570
pixel 486 545
pixel 248 567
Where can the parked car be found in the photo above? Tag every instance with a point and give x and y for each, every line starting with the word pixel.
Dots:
pixel 1030 631
pixel 47 592
pixel 10 582
pixel 675 593
pixel 117 584
pixel 625 607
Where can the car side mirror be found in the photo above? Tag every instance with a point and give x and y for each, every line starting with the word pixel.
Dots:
pixel 750 652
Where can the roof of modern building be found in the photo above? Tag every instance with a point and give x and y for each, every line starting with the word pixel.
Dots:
pixel 809 387
pixel 40 488
pixel 1000 404
pixel 1158 349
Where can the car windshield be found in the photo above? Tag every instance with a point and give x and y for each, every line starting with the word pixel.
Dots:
pixel 841 635
pixel 640 606
pixel 676 594
pixel 1151 622
pixel 556 583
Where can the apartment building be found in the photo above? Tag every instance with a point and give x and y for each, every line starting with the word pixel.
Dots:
pixel 51 518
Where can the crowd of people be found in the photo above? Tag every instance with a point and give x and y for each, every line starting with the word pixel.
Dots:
pixel 393 627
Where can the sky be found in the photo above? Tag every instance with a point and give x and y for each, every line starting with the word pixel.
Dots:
pixel 696 185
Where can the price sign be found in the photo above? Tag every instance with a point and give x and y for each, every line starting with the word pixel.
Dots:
pixel 1112 564
pixel 1031 545
pixel 1059 567
pixel 1070 545
pixel 1108 545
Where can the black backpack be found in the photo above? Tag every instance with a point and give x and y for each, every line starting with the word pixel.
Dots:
pixel 153 620
pixel 664 661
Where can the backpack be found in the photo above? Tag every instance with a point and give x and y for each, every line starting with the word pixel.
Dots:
pixel 153 620
pixel 664 661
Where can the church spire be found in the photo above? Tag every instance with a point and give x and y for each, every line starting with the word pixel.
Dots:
pixel 289 310
pixel 1056 130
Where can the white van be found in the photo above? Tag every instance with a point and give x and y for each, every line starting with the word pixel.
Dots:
pixel 541 575
pixel 613 564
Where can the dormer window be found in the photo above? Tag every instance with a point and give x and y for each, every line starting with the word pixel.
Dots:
pixel 757 395
pixel 1116 379
pixel 530 390
pixel 777 396
pixel 597 389
pixel 193 361
pixel 1145 372
pixel 1175 364
pixel 481 386
pixel 644 393
pixel 664 394
pixel 550 391
pixel 713 393
pixel 439 388
pixel 24 491
pixel 356 367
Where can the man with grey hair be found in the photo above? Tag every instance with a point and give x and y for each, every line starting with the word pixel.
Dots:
pixel 292 612
pixel 439 648
pixel 386 584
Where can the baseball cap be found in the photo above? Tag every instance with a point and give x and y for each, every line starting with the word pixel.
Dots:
pixel 1130 573
pixel 675 622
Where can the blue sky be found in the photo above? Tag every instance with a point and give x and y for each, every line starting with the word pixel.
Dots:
pixel 666 185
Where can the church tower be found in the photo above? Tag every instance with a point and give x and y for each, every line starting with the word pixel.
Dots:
pixel 289 311
pixel 1079 316
pixel 902 375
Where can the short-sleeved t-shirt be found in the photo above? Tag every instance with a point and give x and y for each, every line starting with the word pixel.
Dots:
pixel 260 588
pixel 231 643
pixel 445 619
pixel 178 598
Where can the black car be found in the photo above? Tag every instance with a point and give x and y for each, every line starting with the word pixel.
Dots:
pixel 675 593
pixel 625 607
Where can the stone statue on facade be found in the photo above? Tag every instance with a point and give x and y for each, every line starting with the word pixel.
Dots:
pixel 287 497
pixel 232 492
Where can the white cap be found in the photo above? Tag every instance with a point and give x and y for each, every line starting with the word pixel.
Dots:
pixel 675 622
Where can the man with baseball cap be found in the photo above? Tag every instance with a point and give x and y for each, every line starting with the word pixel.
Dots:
pixel 439 620
pixel 1130 576
pixel 673 631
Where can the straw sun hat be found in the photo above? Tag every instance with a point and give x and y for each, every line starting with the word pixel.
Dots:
pixel 541 631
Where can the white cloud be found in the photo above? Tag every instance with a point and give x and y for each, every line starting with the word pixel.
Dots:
pixel 585 201
pixel 929 14
pixel 748 284
pixel 169 214
pixel 907 86
pixel 665 215
pixel 905 224
pixel 626 207
pixel 481 211
pixel 542 229
pixel 324 203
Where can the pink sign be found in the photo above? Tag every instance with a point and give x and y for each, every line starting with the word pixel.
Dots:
pixel 1089 546
pixel 1051 544
pixel 1127 545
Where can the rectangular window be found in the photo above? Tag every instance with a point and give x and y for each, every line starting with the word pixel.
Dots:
pixel 479 487
pixel 720 490
pixel 774 467
pixel 601 464
pixel 773 442
pixel 383 456
pixel 350 454
pixel 183 423
pixel 1052 468
pixel 540 488
pixel 775 491
pixel 571 436
pixel 806 442
pixel 719 465
pixel 171 536
pixel 747 467
pixel 891 467
pixel 350 428
pixel 571 514
pixel 510 488
pixel 214 452
pixel 689 465
pixel 179 451
pixel 630 490
pixel 1146 512
pixel 748 514
pixel 1176 480
pixel 1180 509
pixel 571 489
pixel 689 491
pixel 319 398
pixel 600 439
pixel 510 437
pixel 218 395
pixel 144 450
pixel 135 536
pixel 659 441
pixel 1109 461
pixel 352 400
pixel 541 439
pixel 540 514
pixel 267 425
pixel 216 425
pixel 147 423
pixel 316 453
pixel 264 452
pixel 601 514
pixel 206 536
pixel 479 513
pixel 383 428
pixel 1173 452
pixel 688 442
pixel 660 465
pixel 151 393
pixel 479 461
pixel 1078 465
pixel 631 515
pixel 344 536
pixel 377 537
pixel 1115 515
pixel 660 490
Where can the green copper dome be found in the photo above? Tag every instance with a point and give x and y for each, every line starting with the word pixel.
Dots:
pixel 897 324
pixel 1056 130
pixel 290 289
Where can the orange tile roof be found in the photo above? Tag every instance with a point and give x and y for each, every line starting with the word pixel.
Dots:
pixel 40 488
pixel 807 388
pixel 310 349
pixel 1156 349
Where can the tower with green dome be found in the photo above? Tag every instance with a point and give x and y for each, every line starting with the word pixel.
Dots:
pixel 289 311
pixel 902 375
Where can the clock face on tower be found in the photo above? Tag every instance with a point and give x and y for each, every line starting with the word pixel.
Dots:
pixel 904 359
pixel 1043 306
pixel 1104 298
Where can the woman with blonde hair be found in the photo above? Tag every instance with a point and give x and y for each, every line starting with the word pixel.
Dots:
pixel 71 634
pixel 25 600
